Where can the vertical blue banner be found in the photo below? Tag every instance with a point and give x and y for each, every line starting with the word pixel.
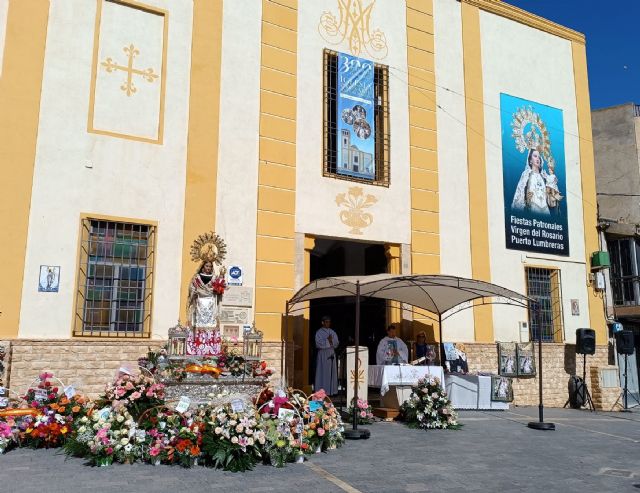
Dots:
pixel 356 131
pixel 534 177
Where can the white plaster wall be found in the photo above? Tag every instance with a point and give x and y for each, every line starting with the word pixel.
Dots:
pixel 455 248
pixel 4 12
pixel 530 64
pixel 237 190
pixel 77 172
pixel 316 209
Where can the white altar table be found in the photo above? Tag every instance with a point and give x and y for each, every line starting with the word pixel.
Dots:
pixel 384 376
pixel 471 392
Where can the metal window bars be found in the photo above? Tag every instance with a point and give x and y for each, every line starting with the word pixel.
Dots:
pixel 544 286
pixel 330 122
pixel 115 279
pixel 625 271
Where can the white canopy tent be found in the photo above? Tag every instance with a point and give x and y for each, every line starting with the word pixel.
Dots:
pixel 437 294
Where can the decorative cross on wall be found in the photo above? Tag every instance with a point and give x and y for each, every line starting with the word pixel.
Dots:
pixel 129 87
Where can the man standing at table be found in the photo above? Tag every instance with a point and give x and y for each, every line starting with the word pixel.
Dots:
pixel 391 349
pixel 326 364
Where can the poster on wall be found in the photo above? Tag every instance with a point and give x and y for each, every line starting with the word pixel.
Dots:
pixel 356 130
pixel 534 177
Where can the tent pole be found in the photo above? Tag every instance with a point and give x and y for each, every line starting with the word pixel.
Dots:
pixel 540 425
pixel 284 344
pixel 357 358
pixel 356 433
pixel 442 359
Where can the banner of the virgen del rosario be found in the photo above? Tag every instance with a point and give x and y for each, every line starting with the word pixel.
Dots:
pixel 356 130
pixel 534 177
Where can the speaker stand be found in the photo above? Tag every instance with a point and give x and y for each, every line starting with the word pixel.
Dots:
pixel 583 388
pixel 624 395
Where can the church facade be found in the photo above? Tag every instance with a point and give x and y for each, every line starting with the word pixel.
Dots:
pixel 129 128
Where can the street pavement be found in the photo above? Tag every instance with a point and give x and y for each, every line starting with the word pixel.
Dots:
pixel 493 452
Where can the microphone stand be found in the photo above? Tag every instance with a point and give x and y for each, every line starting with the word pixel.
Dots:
pixel 332 359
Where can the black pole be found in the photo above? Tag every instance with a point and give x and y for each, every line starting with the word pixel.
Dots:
pixel 284 342
pixel 356 433
pixel 442 358
pixel 626 391
pixel 540 425
pixel 356 365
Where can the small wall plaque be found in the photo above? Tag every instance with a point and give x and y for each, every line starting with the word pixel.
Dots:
pixel 49 280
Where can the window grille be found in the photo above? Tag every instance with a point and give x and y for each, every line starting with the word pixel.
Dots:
pixel 115 279
pixel 625 270
pixel 381 122
pixel 544 286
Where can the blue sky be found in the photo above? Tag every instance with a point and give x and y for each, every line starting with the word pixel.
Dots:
pixel 613 43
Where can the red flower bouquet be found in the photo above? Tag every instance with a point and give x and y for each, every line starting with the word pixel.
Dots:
pixel 219 285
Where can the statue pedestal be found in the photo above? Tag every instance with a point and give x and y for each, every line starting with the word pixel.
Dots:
pixel 217 391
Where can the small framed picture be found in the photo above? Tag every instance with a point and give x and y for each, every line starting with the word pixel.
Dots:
pixel 501 389
pixel 49 281
pixel 507 359
pixel 526 359
pixel 575 307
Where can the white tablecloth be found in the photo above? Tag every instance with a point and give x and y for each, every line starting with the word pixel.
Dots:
pixel 471 392
pixel 384 375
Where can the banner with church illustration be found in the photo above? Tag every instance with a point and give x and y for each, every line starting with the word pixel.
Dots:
pixel 356 131
pixel 534 177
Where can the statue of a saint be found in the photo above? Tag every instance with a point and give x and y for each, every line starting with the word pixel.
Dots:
pixel 205 293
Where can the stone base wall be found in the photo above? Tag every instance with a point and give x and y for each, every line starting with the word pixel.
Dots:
pixel 558 364
pixel 607 399
pixel 5 357
pixel 89 365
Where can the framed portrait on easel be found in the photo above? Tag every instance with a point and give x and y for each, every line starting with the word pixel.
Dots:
pixel 507 359
pixel 501 389
pixel 526 360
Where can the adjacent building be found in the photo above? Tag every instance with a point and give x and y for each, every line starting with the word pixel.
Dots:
pixel 616 137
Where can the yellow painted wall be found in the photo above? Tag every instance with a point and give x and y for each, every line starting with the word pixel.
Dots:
pixel 425 200
pixel 275 250
pixel 202 148
pixel 20 88
pixel 587 172
pixel 476 161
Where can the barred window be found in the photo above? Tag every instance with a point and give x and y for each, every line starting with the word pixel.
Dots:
pixel 543 285
pixel 115 279
pixel 381 122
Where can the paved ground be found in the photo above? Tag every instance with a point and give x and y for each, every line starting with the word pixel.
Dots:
pixel 494 452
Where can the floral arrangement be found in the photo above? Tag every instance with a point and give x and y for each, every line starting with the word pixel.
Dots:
pixel 186 444
pixel 51 422
pixel 232 439
pixel 363 411
pixel 136 393
pixel 229 363
pixel 219 285
pixel 284 442
pixel 130 423
pixel 8 434
pixel 314 423
pixel 429 407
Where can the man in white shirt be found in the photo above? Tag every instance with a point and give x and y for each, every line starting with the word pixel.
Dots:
pixel 391 349
pixel 326 364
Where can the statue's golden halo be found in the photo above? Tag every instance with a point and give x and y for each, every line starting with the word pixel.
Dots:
pixel 530 132
pixel 208 247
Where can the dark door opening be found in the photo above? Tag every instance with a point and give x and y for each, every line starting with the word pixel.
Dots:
pixel 347 258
